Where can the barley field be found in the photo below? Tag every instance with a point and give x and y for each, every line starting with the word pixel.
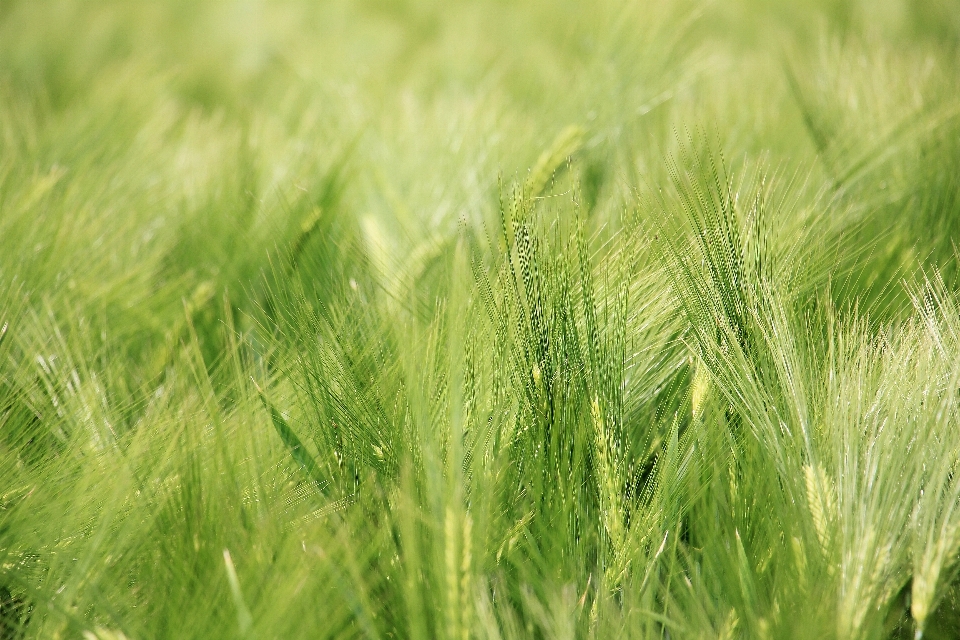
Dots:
pixel 479 319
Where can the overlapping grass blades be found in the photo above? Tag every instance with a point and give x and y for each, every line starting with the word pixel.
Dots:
pixel 416 319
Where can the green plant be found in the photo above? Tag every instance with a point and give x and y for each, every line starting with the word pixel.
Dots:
pixel 472 319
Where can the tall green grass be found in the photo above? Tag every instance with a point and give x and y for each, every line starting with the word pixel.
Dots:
pixel 469 319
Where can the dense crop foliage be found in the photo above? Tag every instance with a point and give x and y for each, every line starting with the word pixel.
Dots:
pixel 479 319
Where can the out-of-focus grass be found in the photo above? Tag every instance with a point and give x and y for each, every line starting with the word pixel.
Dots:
pixel 479 319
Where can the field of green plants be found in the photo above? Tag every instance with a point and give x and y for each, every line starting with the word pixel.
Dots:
pixel 479 319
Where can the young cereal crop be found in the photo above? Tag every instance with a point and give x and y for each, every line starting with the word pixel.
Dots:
pixel 473 319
